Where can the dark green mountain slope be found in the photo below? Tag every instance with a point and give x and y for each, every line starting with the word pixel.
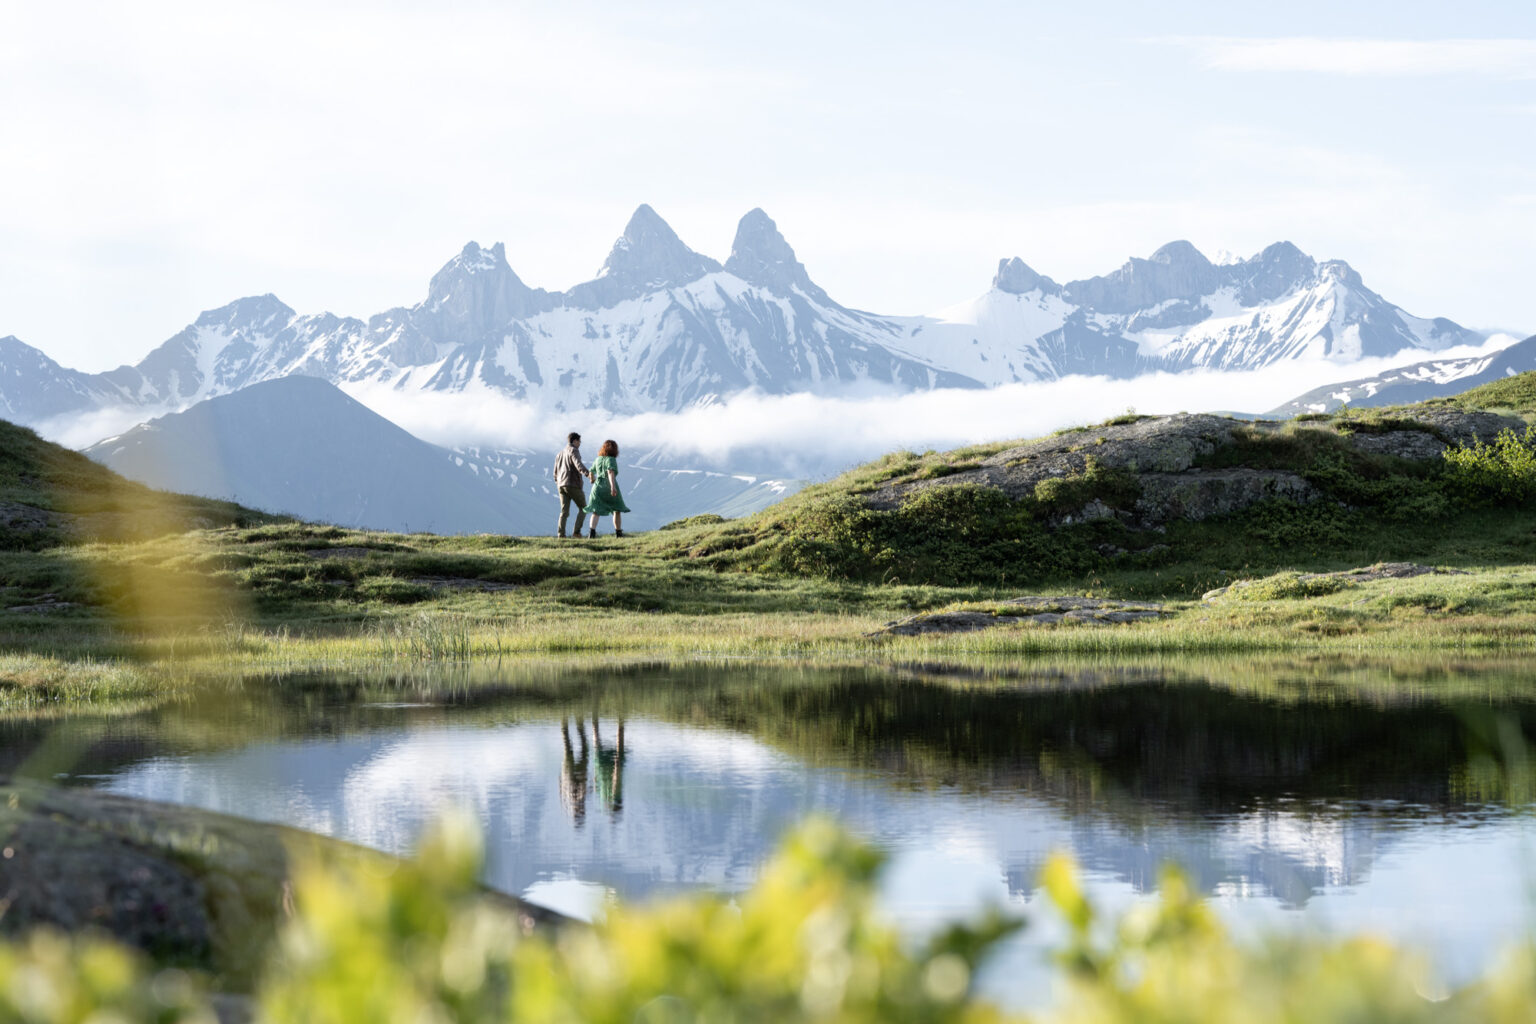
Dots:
pixel 50 495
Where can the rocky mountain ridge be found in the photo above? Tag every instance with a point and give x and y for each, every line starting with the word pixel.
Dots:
pixel 662 327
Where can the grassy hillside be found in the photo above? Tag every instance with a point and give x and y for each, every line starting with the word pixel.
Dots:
pixel 1368 505
pixel 50 495
pixel 120 581
pixel 1515 394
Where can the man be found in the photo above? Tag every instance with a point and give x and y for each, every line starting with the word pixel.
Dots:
pixel 569 470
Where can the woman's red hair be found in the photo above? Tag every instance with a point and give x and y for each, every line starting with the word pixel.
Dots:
pixel 609 448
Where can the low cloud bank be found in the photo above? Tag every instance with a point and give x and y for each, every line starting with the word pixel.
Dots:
pixel 83 429
pixel 809 436
pixel 812 436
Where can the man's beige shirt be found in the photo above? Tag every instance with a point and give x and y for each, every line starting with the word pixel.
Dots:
pixel 569 469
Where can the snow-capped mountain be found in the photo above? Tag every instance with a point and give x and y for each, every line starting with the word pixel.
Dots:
pixel 298 445
pixel 1432 378
pixel 662 327
pixel 1175 311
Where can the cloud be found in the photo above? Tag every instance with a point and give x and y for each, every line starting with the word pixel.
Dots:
pixel 83 429
pixel 1503 58
pixel 813 436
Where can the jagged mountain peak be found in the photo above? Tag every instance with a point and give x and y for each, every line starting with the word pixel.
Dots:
pixel 471 261
pixel 760 255
pixel 1019 278
pixel 648 256
pixel 661 328
pixel 645 237
pixel 1338 270
pixel 475 294
pixel 1279 268
pixel 251 312
pixel 650 253
pixel 1280 252
pixel 474 259
pixel 756 217
pixel 1180 253
pixel 645 221
pixel 213 352
pixel 1175 271
pixel 14 352
pixel 758 236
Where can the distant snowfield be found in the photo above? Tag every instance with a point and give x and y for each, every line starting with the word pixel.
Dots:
pixel 811 436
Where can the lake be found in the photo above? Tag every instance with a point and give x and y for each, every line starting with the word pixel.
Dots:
pixel 1331 794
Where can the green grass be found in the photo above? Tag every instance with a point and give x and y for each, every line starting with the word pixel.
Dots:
pixel 640 598
pixel 813 576
pixel 965 533
pixel 1284 585
pixel 67 498
pixel 32 682
pixel 1515 395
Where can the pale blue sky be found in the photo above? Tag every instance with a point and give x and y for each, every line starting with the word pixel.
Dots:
pixel 163 158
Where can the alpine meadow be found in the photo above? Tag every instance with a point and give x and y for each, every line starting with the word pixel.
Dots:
pixel 945 618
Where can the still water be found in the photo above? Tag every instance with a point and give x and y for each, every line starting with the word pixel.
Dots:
pixel 1345 797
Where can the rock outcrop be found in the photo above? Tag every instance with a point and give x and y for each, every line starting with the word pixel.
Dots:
pixel 184 885
pixel 1164 455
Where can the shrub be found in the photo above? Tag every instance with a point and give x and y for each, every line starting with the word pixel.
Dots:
pixel 1114 486
pixel 939 535
pixel 1171 960
pixel 49 978
pixel 1500 473
pixel 1286 585
pixel 832 536
pixel 1280 524
pixel 804 943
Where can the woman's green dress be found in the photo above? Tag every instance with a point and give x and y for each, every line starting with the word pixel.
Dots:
pixel 603 501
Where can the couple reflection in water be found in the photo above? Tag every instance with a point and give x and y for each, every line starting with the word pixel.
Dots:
pixel 577 772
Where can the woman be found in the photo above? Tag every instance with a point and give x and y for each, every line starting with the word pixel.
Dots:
pixel 605 490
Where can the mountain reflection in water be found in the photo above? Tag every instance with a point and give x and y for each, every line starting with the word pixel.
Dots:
pixel 1372 797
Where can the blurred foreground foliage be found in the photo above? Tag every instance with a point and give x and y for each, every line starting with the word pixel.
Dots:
pixel 421 944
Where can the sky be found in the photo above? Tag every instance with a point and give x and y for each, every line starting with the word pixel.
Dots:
pixel 163 158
